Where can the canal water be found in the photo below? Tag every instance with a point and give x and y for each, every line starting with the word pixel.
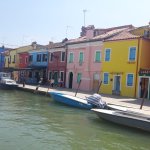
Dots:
pixel 33 122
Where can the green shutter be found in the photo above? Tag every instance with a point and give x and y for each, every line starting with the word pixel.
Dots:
pixel 81 57
pixel 98 56
pixel 71 57
pixel 79 77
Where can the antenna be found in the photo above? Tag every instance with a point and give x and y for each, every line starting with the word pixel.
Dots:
pixel 67 27
pixel 84 11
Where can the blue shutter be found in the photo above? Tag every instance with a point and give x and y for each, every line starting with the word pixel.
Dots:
pixel 105 78
pixel 132 53
pixel 130 80
pixel 107 55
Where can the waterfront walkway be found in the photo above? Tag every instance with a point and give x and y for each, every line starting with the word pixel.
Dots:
pixel 131 103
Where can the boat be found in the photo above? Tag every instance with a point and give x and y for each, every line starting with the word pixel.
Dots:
pixel 71 100
pixel 6 82
pixel 126 118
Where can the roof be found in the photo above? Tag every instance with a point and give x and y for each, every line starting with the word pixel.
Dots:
pixel 55 45
pixel 122 36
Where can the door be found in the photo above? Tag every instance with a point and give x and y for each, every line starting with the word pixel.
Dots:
pixel 55 78
pixel 70 80
pixel 116 85
pixel 144 87
pixel 96 79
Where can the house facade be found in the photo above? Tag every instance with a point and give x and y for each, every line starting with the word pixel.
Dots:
pixel 37 62
pixel 84 63
pixel 2 58
pixel 57 63
pixel 123 56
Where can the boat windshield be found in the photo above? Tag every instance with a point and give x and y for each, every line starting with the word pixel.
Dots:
pixel 5 75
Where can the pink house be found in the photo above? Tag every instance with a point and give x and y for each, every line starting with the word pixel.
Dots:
pixel 84 62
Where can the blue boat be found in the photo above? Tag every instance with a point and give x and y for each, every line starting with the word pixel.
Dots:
pixel 71 100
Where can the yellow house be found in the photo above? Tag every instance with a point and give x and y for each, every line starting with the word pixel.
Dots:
pixel 10 59
pixel 123 56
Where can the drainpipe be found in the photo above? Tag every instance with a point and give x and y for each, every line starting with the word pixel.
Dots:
pixel 137 67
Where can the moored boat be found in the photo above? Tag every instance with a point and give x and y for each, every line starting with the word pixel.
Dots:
pixel 6 82
pixel 93 101
pixel 70 100
pixel 126 118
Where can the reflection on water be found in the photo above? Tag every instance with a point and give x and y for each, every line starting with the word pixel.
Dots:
pixel 33 122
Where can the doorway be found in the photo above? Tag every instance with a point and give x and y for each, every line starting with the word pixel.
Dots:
pixel 116 88
pixel 70 80
pixel 144 87
pixel 55 77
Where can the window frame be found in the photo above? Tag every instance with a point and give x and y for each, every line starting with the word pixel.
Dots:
pixel 62 56
pixel 44 57
pixel 96 57
pixel 38 57
pixel 104 78
pixel 130 60
pixel 62 79
pixel 106 55
pixel 70 57
pixel 81 61
pixel 31 58
pixel 127 80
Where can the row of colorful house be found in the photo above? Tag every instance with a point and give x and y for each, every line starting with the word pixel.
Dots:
pixel 118 56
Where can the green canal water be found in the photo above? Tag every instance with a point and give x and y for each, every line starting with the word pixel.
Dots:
pixel 33 122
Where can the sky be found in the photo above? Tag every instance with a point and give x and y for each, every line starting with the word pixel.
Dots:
pixel 25 21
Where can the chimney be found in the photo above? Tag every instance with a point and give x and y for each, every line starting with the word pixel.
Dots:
pixel 88 31
pixel 34 44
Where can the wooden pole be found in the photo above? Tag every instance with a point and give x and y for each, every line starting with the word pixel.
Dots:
pixel 99 87
pixel 144 96
pixel 78 88
pixel 48 87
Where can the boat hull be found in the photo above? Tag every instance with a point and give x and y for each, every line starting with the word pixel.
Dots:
pixel 70 100
pixel 6 86
pixel 130 119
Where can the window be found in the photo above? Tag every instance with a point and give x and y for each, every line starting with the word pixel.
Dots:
pixel 106 78
pixel 30 58
pixel 38 59
pixel 129 79
pixel 132 53
pixel 50 75
pixel 61 75
pixel 50 56
pixel 107 55
pixel 79 75
pixel 81 57
pixel 44 58
pixel 70 57
pixel 62 56
pixel 98 56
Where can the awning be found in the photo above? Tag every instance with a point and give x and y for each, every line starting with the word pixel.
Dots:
pixel 144 72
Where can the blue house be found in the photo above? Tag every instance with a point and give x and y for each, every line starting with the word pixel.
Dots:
pixel 2 58
pixel 38 63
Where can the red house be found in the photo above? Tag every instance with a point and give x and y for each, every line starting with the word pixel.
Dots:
pixel 22 66
pixel 57 63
